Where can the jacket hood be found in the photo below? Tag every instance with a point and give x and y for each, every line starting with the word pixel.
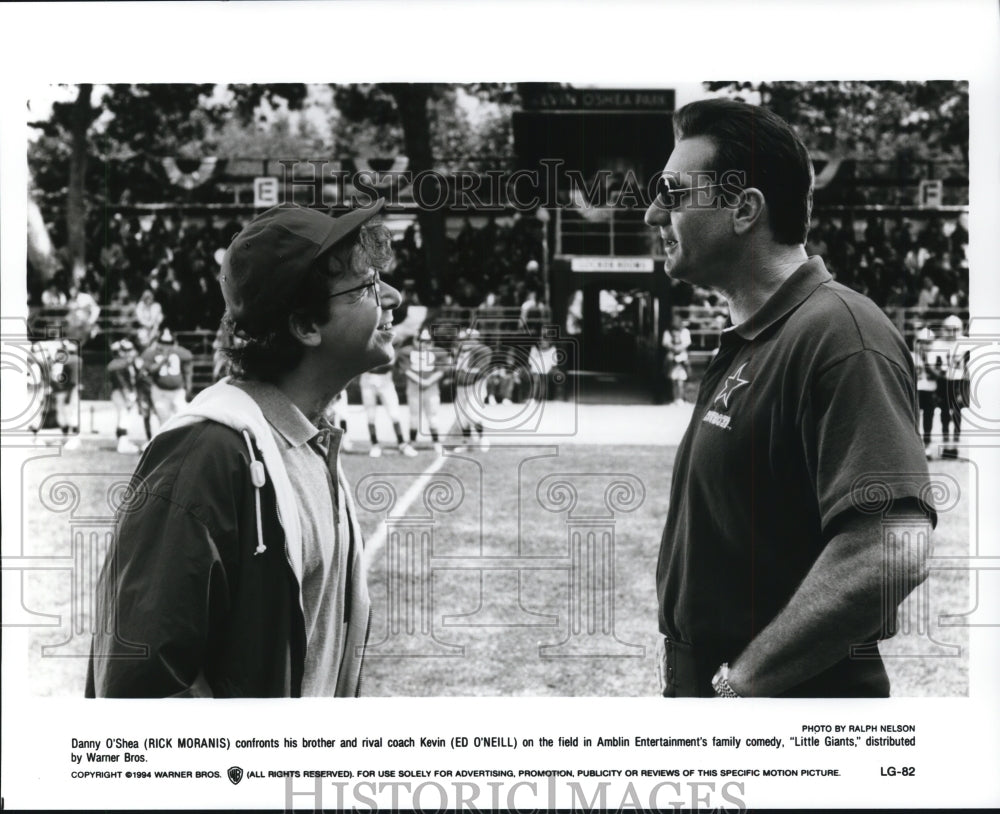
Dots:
pixel 233 408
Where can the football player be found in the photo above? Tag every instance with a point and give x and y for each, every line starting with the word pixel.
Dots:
pixel 425 368
pixel 124 395
pixel 64 380
pixel 40 388
pixel 169 368
pixel 927 385
pixel 953 391
pixel 471 365
pixel 378 387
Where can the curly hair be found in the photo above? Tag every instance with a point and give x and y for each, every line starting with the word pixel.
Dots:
pixel 268 349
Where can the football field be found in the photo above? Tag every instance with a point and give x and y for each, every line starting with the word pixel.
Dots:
pixel 527 569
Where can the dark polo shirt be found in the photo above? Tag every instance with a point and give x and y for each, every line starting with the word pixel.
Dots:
pixel 812 393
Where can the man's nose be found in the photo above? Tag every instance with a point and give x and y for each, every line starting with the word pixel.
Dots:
pixel 657 214
pixel 389 296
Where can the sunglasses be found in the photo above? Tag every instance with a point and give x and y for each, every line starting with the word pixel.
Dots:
pixel 375 284
pixel 669 198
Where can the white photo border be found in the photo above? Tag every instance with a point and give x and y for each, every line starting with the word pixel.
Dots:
pixel 624 44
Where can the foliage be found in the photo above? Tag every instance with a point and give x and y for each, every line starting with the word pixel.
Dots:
pixel 279 138
pixel 248 98
pixel 116 136
pixel 437 126
pixel 368 122
pixel 157 120
pixel 874 120
pixel 134 126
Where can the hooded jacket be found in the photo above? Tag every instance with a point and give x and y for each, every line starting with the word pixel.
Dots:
pixel 200 593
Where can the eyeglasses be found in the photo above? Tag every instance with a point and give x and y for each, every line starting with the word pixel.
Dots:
pixel 375 283
pixel 671 197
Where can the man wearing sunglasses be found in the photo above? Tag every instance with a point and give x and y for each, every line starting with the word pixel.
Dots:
pixel 773 573
pixel 237 565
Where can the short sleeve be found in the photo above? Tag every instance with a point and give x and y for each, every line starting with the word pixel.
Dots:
pixel 860 435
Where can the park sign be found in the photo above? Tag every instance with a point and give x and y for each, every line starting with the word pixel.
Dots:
pixel 613 264
pixel 596 99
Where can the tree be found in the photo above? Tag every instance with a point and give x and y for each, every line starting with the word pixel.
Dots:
pixel 874 120
pixel 278 138
pixel 427 123
pixel 106 147
pixel 411 104
pixel 80 116
pixel 112 136
pixel 881 138
pixel 248 98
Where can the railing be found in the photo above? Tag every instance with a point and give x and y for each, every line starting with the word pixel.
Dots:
pixel 115 321
pixel 500 324
pixel 198 342
pixel 909 320
pixel 118 322
pixel 604 231
pixel 705 322
pixel 492 321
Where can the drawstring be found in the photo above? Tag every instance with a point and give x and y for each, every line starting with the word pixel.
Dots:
pixel 258 478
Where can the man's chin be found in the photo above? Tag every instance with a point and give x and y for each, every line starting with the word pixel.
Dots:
pixel 385 353
pixel 675 271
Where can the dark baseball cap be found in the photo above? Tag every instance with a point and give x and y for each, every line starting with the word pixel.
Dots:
pixel 268 259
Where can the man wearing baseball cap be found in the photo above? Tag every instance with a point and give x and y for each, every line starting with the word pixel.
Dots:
pixel 237 565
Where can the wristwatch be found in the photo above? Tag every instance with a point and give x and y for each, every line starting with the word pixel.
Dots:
pixel 720 683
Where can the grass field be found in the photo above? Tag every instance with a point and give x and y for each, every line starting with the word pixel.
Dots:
pixel 488 607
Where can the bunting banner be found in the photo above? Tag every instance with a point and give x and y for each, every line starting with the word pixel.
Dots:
pixel 189 180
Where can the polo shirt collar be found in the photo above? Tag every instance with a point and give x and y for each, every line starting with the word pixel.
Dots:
pixel 280 412
pixel 792 293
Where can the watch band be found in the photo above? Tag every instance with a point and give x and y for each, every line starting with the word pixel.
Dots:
pixel 720 683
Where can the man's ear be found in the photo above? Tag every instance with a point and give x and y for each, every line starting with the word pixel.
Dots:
pixel 304 328
pixel 749 211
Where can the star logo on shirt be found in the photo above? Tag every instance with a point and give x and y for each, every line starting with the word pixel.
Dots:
pixel 733 383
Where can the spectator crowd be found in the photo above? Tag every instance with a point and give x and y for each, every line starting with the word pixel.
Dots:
pixel 168 263
pixel 897 262
pixel 160 269
pixel 494 264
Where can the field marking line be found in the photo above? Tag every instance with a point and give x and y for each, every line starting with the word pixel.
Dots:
pixel 377 540
pixel 374 545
